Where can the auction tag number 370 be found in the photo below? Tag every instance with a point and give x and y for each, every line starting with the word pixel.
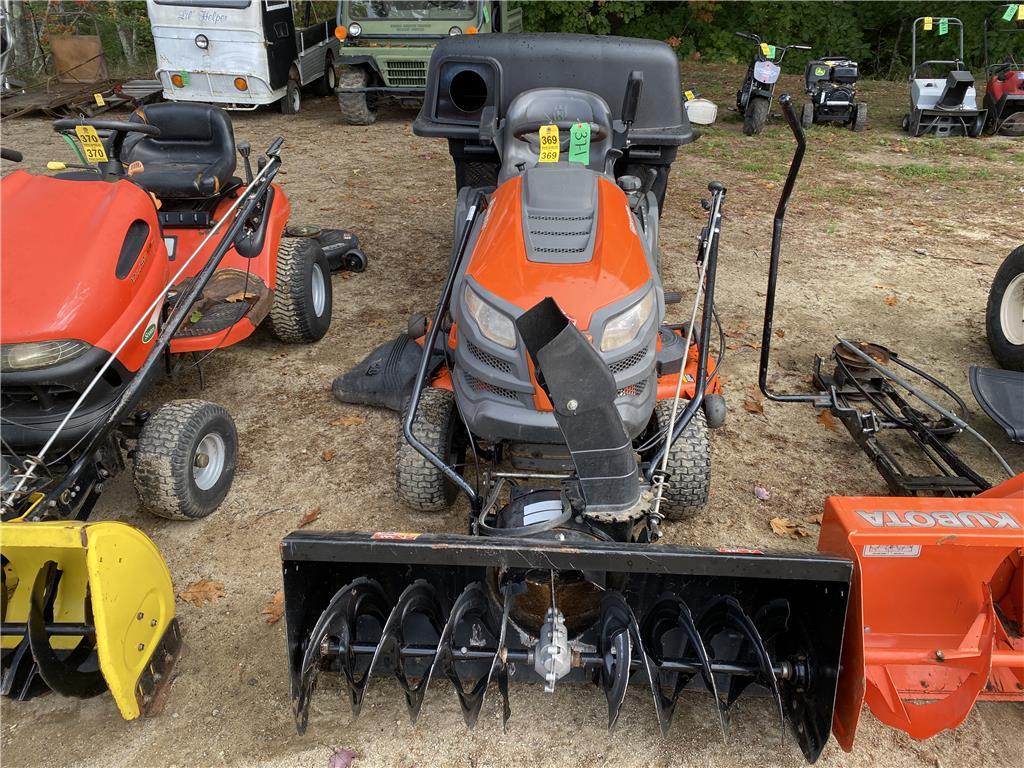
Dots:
pixel 550 144
pixel 91 143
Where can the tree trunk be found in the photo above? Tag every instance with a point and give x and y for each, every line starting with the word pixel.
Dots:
pixel 127 37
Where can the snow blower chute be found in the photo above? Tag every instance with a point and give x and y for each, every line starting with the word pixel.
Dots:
pixel 581 456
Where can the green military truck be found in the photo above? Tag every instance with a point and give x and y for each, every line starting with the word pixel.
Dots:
pixel 385 46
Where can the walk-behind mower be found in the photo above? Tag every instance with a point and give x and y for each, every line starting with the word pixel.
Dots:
pixel 754 99
pixel 943 100
pixel 936 606
pixel 549 364
pixel 831 84
pixel 116 271
pixel 1004 92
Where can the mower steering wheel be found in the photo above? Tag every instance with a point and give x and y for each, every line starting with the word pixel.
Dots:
pixel 598 132
pixel 118 126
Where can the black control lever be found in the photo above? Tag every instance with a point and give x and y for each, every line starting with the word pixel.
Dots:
pixel 244 148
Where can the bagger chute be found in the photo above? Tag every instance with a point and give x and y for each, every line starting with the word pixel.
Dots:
pixel 86 607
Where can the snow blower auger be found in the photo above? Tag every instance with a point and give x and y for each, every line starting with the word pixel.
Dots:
pixel 173 255
pixel 935 614
pixel 559 579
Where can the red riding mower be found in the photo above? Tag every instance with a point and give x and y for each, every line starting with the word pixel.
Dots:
pixel 550 389
pixel 114 271
pixel 1004 93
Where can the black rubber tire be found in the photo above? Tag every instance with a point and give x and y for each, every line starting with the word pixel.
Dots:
pixel 906 124
pixel 975 129
pixel 355 261
pixel 860 117
pixel 421 485
pixel 291 102
pixel 1006 353
pixel 355 107
pixel 325 85
pixel 165 454
pixel 689 465
pixel 807 116
pixel 293 318
pixel 756 115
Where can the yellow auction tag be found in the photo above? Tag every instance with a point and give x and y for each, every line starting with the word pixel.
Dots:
pixel 91 143
pixel 1020 12
pixel 765 49
pixel 927 23
pixel 689 95
pixel 550 144
pixel 99 100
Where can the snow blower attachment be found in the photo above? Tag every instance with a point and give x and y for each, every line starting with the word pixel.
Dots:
pixel 560 580
pixel 87 607
pixel 935 614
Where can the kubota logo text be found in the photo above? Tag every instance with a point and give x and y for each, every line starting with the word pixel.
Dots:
pixel 890 519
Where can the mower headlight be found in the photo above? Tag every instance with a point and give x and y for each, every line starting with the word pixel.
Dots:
pixel 355 29
pixel 493 324
pixel 624 327
pixel 39 354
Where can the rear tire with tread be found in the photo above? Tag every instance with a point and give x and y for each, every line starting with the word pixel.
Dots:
pixel 293 316
pixel 291 102
pixel 325 85
pixel 165 459
pixel 355 107
pixel 689 465
pixel 421 485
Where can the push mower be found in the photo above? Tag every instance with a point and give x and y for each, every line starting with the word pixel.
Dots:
pixel 174 257
pixel 1004 92
pixel 831 83
pixel 550 369
pixel 948 634
pixel 754 99
pixel 946 105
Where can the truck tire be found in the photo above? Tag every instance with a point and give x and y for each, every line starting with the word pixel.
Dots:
pixel 756 115
pixel 303 299
pixel 421 485
pixel 291 102
pixel 689 465
pixel 184 460
pixel 325 85
pixel 355 107
pixel 1004 316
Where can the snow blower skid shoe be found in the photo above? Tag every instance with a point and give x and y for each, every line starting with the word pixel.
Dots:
pixel 87 607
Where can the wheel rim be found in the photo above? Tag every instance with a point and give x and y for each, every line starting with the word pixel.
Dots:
pixel 1011 311
pixel 332 78
pixel 208 462
pixel 318 287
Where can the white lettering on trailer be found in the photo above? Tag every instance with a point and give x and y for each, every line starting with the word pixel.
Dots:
pixel 915 519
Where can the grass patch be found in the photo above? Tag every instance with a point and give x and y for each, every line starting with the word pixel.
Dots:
pixel 940 172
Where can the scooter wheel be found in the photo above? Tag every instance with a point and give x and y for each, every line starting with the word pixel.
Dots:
pixel 355 260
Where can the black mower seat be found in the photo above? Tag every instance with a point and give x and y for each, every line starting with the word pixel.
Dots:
pixel 194 155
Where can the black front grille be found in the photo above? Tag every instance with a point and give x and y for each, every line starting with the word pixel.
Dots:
pixel 477 385
pixel 627 362
pixel 45 395
pixel 633 390
pixel 491 361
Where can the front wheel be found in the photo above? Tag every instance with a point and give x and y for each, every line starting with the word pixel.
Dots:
pixel 292 100
pixel 755 116
pixel 860 117
pixel 325 85
pixel 975 129
pixel 185 459
pixel 303 298
pixel 689 464
pixel 1004 316
pixel 421 485
pixel 355 108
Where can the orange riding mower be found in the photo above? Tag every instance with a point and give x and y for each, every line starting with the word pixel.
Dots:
pixel 937 601
pixel 141 260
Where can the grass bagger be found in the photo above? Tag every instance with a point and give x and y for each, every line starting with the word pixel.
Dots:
pixel 142 259
pixel 944 105
pixel 1004 91
pixel 935 609
pixel 831 84
pixel 550 389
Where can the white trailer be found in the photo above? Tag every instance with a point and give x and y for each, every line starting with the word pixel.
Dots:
pixel 240 54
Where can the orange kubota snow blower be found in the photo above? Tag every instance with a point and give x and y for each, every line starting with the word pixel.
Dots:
pixel 935 613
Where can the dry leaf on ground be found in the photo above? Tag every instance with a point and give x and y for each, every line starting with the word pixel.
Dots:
pixel 328 455
pixel 202 592
pixel 310 517
pixel 348 421
pixel 274 610
pixel 783 526
pixel 827 420
pixel 752 402
pixel 891 301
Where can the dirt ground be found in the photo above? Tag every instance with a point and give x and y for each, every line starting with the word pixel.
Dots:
pixel 887 239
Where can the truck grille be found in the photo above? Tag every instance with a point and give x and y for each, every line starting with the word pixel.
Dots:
pixel 405 74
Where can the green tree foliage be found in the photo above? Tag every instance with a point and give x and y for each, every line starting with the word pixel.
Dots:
pixel 875 33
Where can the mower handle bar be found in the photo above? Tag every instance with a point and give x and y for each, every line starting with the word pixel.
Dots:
pixel 119 126
pixel 11 154
pixel 773 265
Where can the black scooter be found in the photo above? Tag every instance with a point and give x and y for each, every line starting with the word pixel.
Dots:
pixel 754 99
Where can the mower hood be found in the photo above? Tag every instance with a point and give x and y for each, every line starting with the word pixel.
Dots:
pixel 82 259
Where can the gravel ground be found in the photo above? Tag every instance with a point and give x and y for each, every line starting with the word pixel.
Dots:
pixel 888 239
